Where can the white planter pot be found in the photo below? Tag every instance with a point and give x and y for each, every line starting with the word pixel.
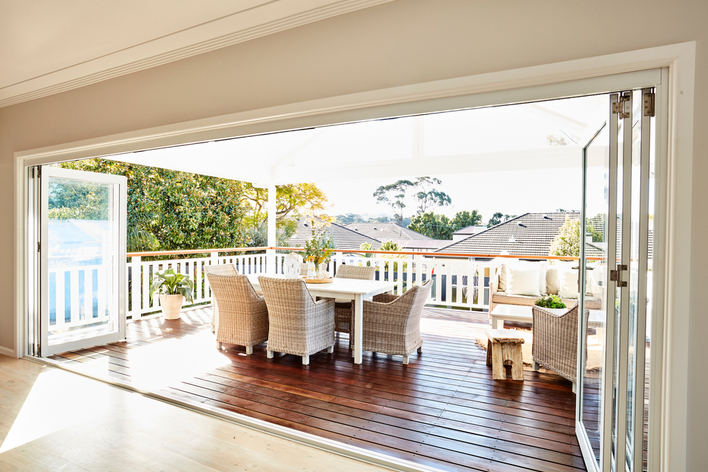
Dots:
pixel 171 305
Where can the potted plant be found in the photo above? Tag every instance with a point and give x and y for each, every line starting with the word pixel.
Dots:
pixel 319 248
pixel 173 289
pixel 552 303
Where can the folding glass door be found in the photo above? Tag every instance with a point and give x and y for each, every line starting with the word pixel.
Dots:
pixel 615 276
pixel 80 226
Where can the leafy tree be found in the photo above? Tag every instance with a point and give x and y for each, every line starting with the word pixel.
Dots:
pixel 77 201
pixel 176 210
pixel 292 200
pixel 567 241
pixel 394 195
pixel 349 218
pixel 367 247
pixel 389 246
pixel 463 219
pixel 497 218
pixel 428 196
pixel 432 225
pixel 596 227
pixel 170 210
pixel 257 235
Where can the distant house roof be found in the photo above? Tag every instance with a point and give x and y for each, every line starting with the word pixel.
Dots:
pixel 421 244
pixel 528 234
pixel 387 231
pixel 344 238
pixel 470 230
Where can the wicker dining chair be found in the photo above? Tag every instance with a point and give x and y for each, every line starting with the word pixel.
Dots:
pixel 299 325
pixel 221 269
pixel 243 314
pixel 392 323
pixel 555 341
pixel 344 309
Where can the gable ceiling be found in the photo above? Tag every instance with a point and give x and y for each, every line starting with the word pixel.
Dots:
pixel 49 46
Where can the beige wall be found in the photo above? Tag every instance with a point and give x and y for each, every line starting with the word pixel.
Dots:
pixel 400 43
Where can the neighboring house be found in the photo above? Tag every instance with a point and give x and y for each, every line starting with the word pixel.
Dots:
pixel 464 233
pixel 530 234
pixel 406 238
pixel 344 238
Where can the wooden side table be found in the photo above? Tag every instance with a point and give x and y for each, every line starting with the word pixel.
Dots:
pixel 505 345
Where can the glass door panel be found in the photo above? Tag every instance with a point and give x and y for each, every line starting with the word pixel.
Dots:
pixel 596 160
pixel 82 259
pixel 616 280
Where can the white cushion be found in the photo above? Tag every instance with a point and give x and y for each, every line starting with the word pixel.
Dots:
pixel 542 269
pixel 552 280
pixel 567 281
pixel 502 278
pixel 523 280
pixel 540 266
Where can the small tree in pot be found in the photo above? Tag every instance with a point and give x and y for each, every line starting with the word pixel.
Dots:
pixel 173 289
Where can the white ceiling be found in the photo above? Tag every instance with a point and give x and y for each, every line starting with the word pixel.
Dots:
pixel 458 142
pixel 49 46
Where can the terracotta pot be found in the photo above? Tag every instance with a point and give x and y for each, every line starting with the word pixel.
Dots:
pixel 171 305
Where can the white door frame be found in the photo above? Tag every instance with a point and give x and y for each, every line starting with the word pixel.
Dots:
pixel 118 302
pixel 577 77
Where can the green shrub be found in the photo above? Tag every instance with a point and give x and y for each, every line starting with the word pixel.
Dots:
pixel 550 301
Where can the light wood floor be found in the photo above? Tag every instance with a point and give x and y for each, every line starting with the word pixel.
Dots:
pixel 55 420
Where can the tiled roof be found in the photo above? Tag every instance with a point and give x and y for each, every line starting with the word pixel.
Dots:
pixel 528 234
pixel 344 238
pixel 386 231
pixel 422 244
pixel 470 230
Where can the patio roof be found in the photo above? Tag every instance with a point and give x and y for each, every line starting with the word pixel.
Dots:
pixel 465 141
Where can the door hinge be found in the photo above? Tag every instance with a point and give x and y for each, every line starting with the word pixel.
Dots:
pixel 649 102
pixel 616 275
pixel 619 106
pixel 39 247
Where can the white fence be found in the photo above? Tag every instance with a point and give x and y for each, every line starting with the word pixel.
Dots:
pixel 456 283
pixel 76 297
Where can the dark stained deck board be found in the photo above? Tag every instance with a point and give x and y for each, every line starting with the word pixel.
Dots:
pixel 442 410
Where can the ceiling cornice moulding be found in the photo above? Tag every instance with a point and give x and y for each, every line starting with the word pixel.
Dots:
pixel 199 40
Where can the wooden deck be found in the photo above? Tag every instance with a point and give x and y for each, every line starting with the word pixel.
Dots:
pixel 442 410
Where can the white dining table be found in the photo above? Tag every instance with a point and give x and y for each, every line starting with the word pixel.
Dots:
pixel 349 289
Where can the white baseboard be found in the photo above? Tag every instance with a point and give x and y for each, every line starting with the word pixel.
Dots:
pixel 7 351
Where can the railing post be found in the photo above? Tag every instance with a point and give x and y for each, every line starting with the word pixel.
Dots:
pixel 135 284
pixel 418 274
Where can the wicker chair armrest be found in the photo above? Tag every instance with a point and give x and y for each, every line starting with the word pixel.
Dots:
pixel 323 301
pixel 384 311
pixel 385 298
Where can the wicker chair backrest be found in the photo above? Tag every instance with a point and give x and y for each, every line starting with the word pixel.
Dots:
pixel 230 290
pixel 286 297
pixel 355 272
pixel 221 269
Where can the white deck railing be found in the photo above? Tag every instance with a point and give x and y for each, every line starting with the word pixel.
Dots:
pixel 76 297
pixel 76 300
pixel 456 283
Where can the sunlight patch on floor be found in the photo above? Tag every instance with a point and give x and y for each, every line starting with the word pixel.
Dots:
pixel 158 365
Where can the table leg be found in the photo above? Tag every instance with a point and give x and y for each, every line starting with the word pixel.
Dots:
pixel 358 327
